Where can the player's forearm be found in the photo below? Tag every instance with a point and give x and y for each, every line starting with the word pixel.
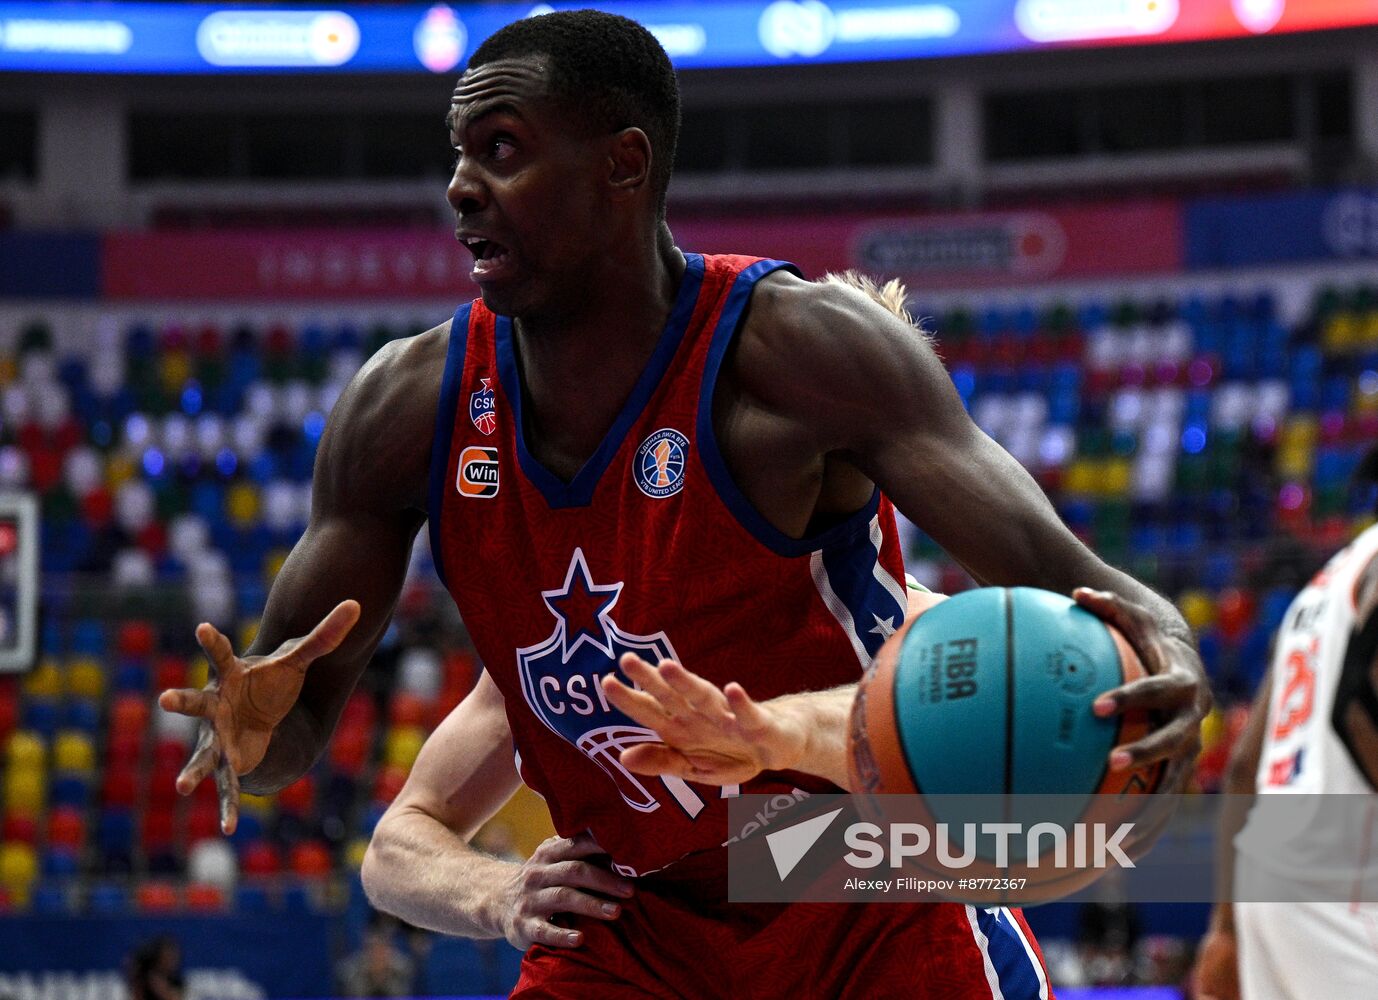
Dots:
pixel 823 716
pixel 421 871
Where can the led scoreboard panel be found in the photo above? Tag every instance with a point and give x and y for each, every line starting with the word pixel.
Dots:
pixel 205 38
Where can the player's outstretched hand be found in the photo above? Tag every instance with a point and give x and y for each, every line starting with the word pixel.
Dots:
pixel 708 734
pixel 244 702
pixel 1175 690
pixel 554 880
pixel 1216 976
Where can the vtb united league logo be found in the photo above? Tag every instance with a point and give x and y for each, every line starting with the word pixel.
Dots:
pixel 559 678
pixel 658 467
pixel 483 407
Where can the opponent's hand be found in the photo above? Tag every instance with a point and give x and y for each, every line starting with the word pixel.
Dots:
pixel 1175 689
pixel 244 702
pixel 1216 976
pixel 556 880
pixel 708 734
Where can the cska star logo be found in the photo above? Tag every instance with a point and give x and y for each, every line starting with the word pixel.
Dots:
pixel 483 407
pixel 559 678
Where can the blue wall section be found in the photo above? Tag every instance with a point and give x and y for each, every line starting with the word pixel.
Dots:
pixel 281 956
pixel 1281 229
pixel 50 265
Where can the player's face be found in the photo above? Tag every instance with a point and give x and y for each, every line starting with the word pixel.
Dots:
pixel 525 188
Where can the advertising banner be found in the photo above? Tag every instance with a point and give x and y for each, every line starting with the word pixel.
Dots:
pixel 437 38
pixel 930 251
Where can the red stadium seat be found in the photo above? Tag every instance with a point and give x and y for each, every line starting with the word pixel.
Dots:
pixel 349 751
pixel 202 898
pixel 66 828
pixel 169 755
pixel 389 782
pixel 156 897
pixel 170 672
pixel 203 823
pixel 159 830
pixel 359 710
pixel 21 828
pixel 406 710
pixel 311 859
pixel 162 783
pixel 128 716
pixel 298 798
pixel 136 639
pixel 260 858
pixel 118 789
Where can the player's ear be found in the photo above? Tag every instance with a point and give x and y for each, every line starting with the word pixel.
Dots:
pixel 629 162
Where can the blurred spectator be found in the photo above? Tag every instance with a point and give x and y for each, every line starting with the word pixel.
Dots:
pixel 379 968
pixel 1108 929
pixel 155 970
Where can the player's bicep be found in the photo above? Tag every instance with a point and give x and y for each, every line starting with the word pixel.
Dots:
pixel 466 770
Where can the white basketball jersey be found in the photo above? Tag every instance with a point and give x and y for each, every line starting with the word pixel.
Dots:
pixel 1302 755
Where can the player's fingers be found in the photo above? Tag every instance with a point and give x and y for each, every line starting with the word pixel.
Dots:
pixel 562 848
pixel 1169 690
pixel 1138 626
pixel 750 716
pixel 701 695
pixel 642 707
pixel 227 789
pixel 1178 738
pixel 216 647
pixel 537 930
pixel 201 762
pixel 326 637
pixel 566 899
pixel 188 701
pixel 584 875
pixel 655 759
pixel 649 680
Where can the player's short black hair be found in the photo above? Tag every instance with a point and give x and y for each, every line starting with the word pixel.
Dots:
pixel 607 68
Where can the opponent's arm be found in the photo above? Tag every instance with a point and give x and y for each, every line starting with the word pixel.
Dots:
pixel 722 736
pixel 1355 715
pixel 873 394
pixel 1217 970
pixel 269 713
pixel 419 864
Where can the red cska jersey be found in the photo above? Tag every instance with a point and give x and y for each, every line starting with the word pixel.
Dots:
pixel 650 549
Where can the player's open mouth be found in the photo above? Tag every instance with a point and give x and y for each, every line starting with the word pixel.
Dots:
pixel 490 257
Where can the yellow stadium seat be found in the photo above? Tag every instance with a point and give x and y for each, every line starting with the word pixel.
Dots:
pixel 259 805
pixel 24 791
pixel 119 469
pixel 73 751
pixel 248 632
pixel 9 370
pixel 18 868
pixel 44 680
pixel 26 750
pixel 175 369
pixel 401 745
pixel 272 564
pixel 1212 729
pixel 1197 609
pixel 85 678
pixel 354 853
pixel 242 505
pixel 1080 478
pixel 199 671
pixel 1115 477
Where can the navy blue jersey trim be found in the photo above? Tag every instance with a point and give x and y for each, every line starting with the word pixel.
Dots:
pixel 578 492
pixel 445 431
pixel 746 514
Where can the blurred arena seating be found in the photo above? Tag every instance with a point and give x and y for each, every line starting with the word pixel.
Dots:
pixel 1203 443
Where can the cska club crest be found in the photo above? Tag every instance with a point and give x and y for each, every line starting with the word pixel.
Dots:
pixel 483 407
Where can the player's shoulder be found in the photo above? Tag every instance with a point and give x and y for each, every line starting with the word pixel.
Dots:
pixel 819 332
pixel 402 377
pixel 378 438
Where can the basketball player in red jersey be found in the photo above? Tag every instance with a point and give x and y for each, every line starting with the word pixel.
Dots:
pixel 642 451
